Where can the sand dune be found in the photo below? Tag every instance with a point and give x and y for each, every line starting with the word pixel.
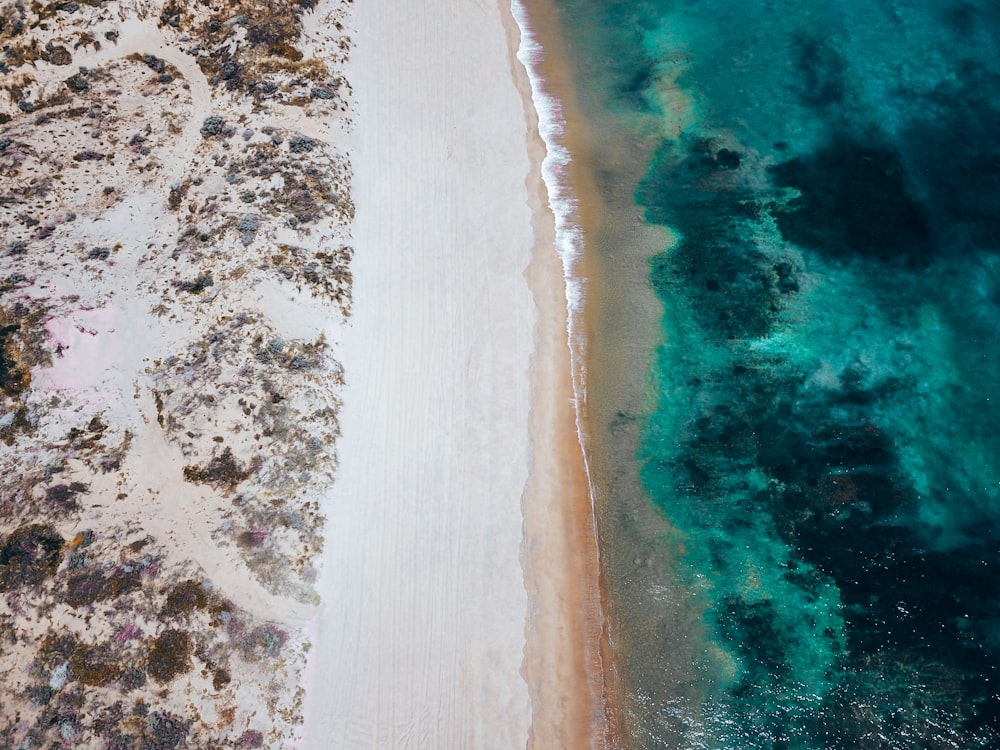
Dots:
pixel 176 277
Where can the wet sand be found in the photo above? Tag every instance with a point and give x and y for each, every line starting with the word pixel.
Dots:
pixel 600 670
pixel 564 664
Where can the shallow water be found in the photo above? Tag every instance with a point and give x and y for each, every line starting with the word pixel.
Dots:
pixel 822 445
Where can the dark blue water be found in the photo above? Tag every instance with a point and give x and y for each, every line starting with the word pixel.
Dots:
pixel 826 431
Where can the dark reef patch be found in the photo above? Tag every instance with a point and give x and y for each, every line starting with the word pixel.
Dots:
pixel 734 287
pixel 632 91
pixel 819 73
pixel 754 626
pixel 954 151
pixel 855 200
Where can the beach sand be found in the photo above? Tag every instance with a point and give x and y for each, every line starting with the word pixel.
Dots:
pixel 460 578
pixel 179 324
pixel 421 641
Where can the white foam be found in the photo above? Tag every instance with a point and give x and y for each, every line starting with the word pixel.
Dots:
pixel 555 172
pixel 563 203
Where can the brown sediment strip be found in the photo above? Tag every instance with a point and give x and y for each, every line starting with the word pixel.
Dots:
pixel 620 329
pixel 625 620
pixel 569 663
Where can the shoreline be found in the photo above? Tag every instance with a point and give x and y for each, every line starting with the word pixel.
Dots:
pixel 580 220
pixel 560 555
pixel 615 334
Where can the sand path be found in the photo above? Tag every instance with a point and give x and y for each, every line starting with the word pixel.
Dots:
pixel 421 642
pixel 108 348
pixel 144 37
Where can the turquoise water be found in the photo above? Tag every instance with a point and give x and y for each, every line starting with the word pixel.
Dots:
pixel 824 437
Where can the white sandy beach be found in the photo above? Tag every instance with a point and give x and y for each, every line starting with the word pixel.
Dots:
pixel 422 637
pixel 180 314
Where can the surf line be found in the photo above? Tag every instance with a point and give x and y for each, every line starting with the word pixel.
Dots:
pixel 539 61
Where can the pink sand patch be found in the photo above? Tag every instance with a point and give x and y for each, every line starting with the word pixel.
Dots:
pixel 85 353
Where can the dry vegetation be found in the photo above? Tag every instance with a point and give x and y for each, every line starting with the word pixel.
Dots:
pixel 163 442
pixel 257 410
pixel 254 48
pixel 127 634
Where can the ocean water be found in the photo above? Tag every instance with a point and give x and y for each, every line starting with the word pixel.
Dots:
pixel 819 442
